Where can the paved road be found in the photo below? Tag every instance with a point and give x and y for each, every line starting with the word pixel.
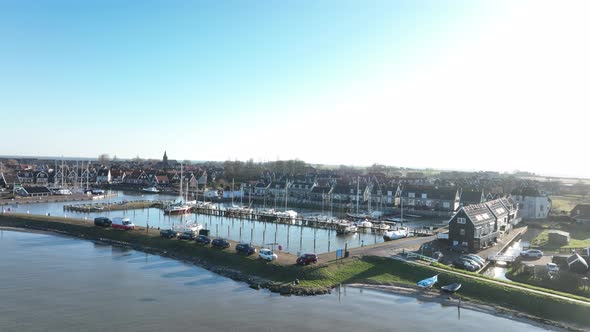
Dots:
pixel 384 249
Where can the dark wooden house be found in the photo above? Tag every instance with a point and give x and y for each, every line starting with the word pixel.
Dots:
pixel 473 227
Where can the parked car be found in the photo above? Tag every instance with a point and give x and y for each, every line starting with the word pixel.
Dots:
pixel 531 253
pixel 267 255
pixel 188 235
pixel 306 259
pixel 220 243
pixel 102 222
pixel 168 234
pixel 245 248
pixel 471 261
pixel 465 265
pixel 476 258
pixel 202 239
pixel 552 267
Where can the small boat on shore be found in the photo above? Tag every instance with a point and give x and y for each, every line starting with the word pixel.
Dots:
pixel 396 234
pixel 451 288
pixel 428 282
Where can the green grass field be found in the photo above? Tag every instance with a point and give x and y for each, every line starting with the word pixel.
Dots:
pixel 579 239
pixel 564 204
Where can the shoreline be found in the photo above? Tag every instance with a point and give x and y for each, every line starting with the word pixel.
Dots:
pixel 397 289
pixel 274 277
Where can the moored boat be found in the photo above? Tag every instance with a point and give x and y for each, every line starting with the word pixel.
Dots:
pixel 343 229
pixel 395 234
pixel 428 282
pixel 451 288
pixel 151 190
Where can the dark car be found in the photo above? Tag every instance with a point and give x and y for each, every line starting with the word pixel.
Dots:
pixel 202 239
pixel 465 265
pixel 189 235
pixel 168 234
pixel 306 259
pixel 476 258
pixel 102 222
pixel 245 248
pixel 472 261
pixel 220 243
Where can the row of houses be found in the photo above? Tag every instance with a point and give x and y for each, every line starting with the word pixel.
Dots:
pixel 477 226
pixel 99 177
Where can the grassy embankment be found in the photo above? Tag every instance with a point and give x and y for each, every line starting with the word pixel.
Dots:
pixel 579 238
pixel 375 270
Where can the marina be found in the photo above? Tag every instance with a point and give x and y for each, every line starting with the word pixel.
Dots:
pixel 308 232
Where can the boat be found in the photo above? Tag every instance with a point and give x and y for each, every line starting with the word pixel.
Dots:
pixel 189 226
pixel 344 228
pixel 177 208
pixel 151 190
pixel 428 282
pixel 383 226
pixel 364 224
pixel 451 288
pixel 358 215
pixel 396 234
pixel 63 192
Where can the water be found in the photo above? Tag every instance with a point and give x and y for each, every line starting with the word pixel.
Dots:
pixel 57 283
pixel 293 239
pixel 499 269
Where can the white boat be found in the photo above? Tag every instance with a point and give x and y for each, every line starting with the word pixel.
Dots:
pixel 151 190
pixel 383 226
pixel 396 234
pixel 364 224
pixel 290 214
pixel 343 229
pixel 63 192
pixel 189 226
pixel 177 208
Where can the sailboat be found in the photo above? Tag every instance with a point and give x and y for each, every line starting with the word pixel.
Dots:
pixel 428 282
pixel 179 207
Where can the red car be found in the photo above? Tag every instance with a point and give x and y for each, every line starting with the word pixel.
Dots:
pixel 306 259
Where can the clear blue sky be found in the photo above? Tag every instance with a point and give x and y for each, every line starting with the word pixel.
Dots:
pixel 337 82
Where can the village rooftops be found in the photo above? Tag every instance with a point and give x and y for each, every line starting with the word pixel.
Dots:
pixel 479 214
pixel 497 208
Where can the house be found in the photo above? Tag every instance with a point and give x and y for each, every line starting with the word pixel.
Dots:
pixel 320 193
pixel 469 197
pixel 581 213
pixel 26 177
pixel 118 176
pixel 162 179
pixel 501 213
pixel 42 178
pixel 301 188
pixel 32 191
pixel 430 198
pixel 577 263
pixel 531 203
pixel 103 176
pixel 261 188
pixel 138 177
pixel 474 227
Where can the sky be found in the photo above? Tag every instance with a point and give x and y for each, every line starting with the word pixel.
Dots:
pixel 468 85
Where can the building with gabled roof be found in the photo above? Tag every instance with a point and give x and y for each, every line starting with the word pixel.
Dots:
pixel 474 227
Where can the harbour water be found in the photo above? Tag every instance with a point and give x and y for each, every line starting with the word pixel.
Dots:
pixel 55 283
pixel 292 238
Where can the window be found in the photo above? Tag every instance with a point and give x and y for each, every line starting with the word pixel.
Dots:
pixel 424 196
pixel 411 202
pixel 411 195
pixel 446 205
pixel 462 232
pixel 461 220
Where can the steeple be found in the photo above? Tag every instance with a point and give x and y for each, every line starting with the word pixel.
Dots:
pixel 165 158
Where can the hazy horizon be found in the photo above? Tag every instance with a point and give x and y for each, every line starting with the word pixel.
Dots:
pixel 458 85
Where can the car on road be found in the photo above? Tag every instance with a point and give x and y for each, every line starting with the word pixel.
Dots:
pixel 168 234
pixel 267 255
pixel 245 248
pixel 531 253
pixel 306 259
pixel 188 235
pixel 202 239
pixel 220 243
pixel 102 222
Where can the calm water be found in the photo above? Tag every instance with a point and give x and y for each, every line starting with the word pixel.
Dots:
pixel 60 284
pixel 292 238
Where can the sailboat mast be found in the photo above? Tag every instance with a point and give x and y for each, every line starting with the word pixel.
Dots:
pixel 232 192
pixel 357 195
pixel 180 180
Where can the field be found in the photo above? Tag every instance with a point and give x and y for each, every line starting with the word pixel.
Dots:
pixel 579 239
pixel 564 204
